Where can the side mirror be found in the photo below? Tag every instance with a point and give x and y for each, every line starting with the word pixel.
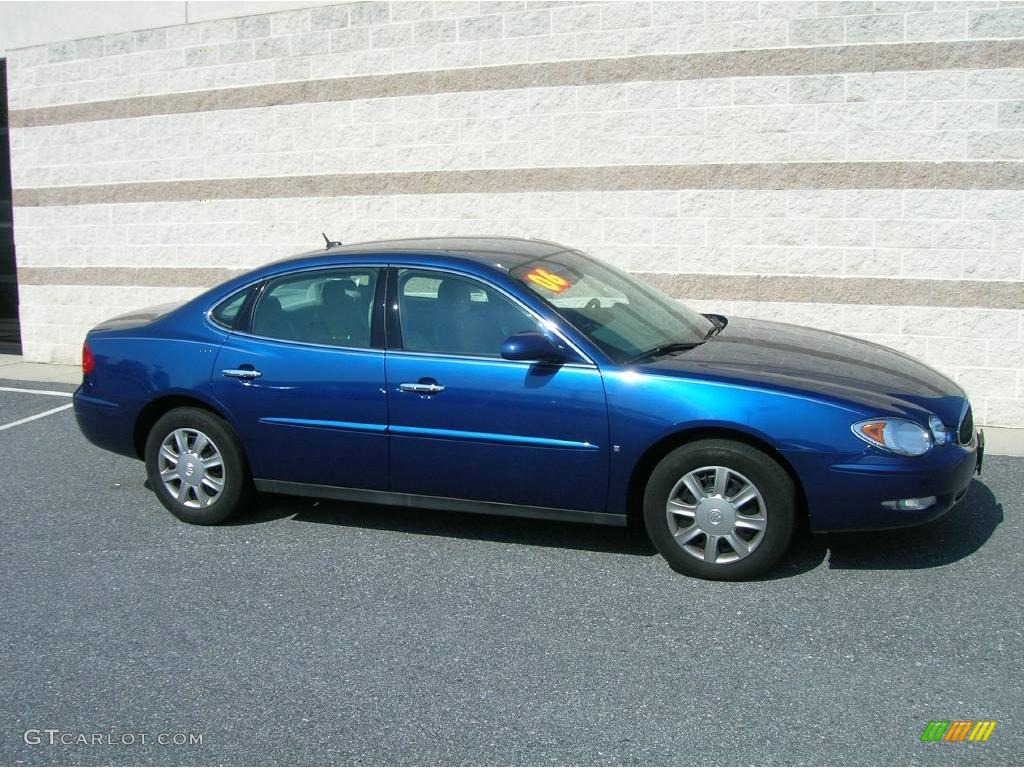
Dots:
pixel 530 346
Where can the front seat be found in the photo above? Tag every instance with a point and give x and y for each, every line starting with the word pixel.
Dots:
pixel 461 329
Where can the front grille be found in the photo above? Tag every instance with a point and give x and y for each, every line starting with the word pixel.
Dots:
pixel 966 432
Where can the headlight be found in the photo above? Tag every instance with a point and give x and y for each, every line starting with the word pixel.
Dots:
pixel 939 431
pixel 897 435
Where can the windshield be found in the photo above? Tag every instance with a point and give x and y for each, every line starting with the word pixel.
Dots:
pixel 623 316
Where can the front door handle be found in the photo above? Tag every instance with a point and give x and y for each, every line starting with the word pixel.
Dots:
pixel 246 374
pixel 423 389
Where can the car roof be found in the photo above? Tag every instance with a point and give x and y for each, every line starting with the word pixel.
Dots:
pixel 497 252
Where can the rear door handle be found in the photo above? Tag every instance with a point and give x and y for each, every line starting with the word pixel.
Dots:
pixel 423 389
pixel 241 373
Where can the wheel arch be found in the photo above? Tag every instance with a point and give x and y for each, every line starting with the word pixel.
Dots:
pixel 152 411
pixel 668 443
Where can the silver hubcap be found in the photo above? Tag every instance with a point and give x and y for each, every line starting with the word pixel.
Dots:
pixel 191 468
pixel 716 515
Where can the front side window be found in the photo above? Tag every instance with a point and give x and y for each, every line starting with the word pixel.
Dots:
pixel 331 306
pixel 445 313
pixel 623 316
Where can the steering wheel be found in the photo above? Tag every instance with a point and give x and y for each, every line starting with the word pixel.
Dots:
pixel 594 303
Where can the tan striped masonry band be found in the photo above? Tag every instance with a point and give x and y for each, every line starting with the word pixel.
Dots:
pixel 874 291
pixel 982 174
pixel 821 60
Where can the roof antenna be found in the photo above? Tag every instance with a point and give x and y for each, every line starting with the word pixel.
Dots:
pixel 330 243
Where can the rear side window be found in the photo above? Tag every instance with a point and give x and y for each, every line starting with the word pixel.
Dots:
pixel 226 313
pixel 330 306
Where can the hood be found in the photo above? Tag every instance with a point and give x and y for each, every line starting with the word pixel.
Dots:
pixel 138 317
pixel 817 362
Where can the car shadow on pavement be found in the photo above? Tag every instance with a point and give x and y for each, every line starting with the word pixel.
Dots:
pixel 961 532
pixel 956 535
pixel 805 554
pixel 455 525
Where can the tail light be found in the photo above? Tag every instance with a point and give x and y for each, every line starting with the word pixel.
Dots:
pixel 88 363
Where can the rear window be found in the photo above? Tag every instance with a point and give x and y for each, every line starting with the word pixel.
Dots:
pixel 226 313
pixel 331 306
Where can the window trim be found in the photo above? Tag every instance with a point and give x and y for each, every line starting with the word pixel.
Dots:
pixel 243 314
pixel 248 290
pixel 377 337
pixel 394 320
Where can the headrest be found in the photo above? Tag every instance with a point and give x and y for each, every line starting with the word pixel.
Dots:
pixel 454 290
pixel 336 291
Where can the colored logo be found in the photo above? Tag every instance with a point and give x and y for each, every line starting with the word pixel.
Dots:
pixel 958 730
pixel 548 280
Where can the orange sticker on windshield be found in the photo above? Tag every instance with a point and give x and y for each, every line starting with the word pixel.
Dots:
pixel 548 280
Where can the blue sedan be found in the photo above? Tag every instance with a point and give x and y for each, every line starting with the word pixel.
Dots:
pixel 524 378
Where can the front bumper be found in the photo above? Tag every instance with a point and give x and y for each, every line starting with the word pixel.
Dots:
pixel 848 494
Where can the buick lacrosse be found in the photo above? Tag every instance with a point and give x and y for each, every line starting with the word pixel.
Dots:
pixel 523 378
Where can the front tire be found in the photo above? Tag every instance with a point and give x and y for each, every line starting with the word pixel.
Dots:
pixel 196 466
pixel 720 509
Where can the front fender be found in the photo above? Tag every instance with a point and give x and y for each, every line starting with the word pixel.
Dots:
pixel 646 409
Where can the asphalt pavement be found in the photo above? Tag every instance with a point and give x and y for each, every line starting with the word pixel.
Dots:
pixel 319 633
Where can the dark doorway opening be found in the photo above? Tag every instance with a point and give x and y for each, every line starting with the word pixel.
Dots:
pixel 10 330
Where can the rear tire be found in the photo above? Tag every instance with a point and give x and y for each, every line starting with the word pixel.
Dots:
pixel 196 466
pixel 720 509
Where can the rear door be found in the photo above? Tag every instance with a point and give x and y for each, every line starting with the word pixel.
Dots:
pixel 304 382
pixel 465 423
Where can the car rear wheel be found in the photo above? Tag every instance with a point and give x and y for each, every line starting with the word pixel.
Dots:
pixel 720 509
pixel 196 466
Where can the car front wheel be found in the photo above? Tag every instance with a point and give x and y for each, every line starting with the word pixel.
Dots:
pixel 196 466
pixel 720 509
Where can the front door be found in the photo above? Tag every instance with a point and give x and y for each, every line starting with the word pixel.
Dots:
pixel 467 424
pixel 303 384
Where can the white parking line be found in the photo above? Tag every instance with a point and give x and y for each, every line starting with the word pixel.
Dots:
pixel 36 391
pixel 33 418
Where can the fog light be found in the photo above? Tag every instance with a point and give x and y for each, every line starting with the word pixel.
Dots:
pixel 910 505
